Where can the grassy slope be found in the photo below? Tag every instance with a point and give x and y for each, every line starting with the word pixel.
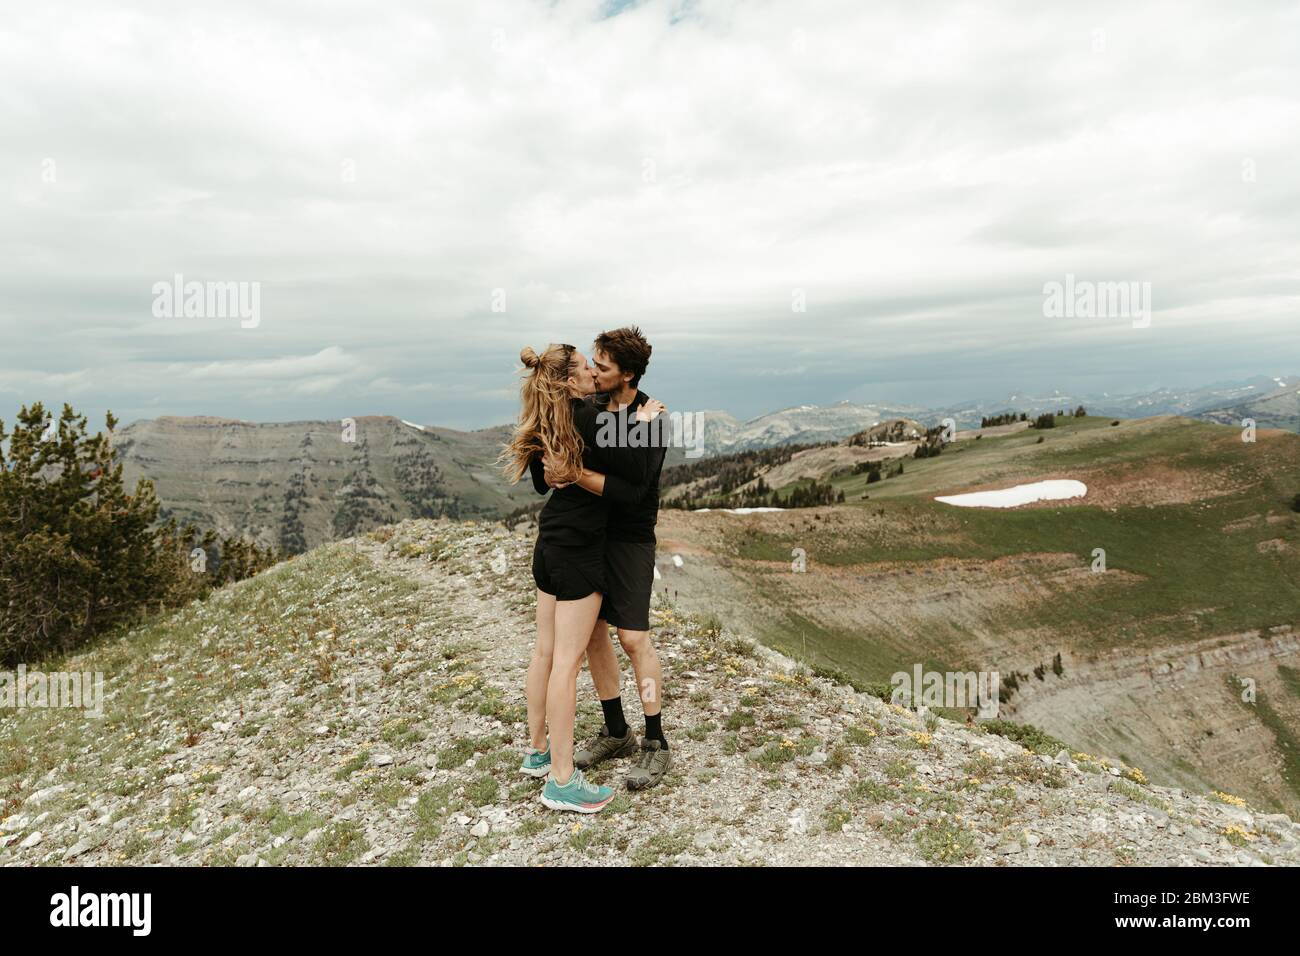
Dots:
pixel 1196 579
pixel 899 578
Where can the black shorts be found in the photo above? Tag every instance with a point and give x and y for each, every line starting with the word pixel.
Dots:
pixel 630 576
pixel 569 574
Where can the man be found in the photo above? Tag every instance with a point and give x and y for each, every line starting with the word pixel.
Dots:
pixel 619 360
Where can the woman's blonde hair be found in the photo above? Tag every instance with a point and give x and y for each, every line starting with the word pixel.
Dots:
pixel 545 417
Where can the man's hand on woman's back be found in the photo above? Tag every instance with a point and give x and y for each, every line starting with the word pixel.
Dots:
pixel 650 410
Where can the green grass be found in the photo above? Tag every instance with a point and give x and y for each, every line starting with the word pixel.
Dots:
pixel 944 841
pixel 296 825
pixel 1181 555
pixel 661 847
pixel 1290 678
pixel 1182 576
pixel 1027 735
pixel 483 790
pixel 341 843
pixel 1286 741
pixel 842 654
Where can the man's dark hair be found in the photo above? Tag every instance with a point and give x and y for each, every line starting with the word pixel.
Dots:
pixel 629 350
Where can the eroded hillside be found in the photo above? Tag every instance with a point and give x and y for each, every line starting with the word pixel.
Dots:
pixel 1170 591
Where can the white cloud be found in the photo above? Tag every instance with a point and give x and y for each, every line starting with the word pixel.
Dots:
pixel 381 169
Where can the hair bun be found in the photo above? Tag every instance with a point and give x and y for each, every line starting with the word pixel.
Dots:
pixel 529 357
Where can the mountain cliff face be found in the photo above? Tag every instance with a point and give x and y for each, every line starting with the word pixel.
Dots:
pixel 362 704
pixel 296 485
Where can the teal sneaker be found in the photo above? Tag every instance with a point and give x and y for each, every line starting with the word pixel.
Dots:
pixel 536 763
pixel 576 795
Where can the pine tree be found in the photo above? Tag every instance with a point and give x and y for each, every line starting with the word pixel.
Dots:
pixel 79 553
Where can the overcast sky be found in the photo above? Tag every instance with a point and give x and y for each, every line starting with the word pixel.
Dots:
pixel 391 172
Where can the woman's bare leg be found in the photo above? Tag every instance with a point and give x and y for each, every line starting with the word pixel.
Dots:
pixel 539 670
pixel 573 624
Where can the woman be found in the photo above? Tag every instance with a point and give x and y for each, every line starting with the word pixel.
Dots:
pixel 568 558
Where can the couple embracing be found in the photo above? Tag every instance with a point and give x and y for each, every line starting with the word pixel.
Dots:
pixel 594 440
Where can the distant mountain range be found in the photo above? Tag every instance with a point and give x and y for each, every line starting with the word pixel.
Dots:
pixel 802 425
pixel 1279 408
pixel 295 485
pixel 1263 398
pixel 1205 402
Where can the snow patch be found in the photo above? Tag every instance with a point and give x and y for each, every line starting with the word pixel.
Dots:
pixel 418 428
pixel 1055 490
pixel 740 511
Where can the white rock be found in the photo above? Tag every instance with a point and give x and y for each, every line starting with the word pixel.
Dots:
pixel 80 847
pixel 32 840
pixel 480 829
pixel 248 793
pixel 40 796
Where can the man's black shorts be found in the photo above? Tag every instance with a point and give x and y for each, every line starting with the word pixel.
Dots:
pixel 569 574
pixel 630 577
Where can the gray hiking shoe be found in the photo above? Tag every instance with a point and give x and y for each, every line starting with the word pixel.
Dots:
pixel 650 769
pixel 604 747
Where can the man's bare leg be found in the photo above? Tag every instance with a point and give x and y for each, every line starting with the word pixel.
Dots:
pixel 603 662
pixel 616 738
pixel 655 758
pixel 645 664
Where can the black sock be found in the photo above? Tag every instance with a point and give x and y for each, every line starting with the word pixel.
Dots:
pixel 614 718
pixel 654 731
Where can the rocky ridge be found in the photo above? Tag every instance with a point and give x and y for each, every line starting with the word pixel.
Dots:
pixel 362 704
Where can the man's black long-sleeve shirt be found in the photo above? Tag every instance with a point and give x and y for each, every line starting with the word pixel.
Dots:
pixel 635 452
pixel 573 517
